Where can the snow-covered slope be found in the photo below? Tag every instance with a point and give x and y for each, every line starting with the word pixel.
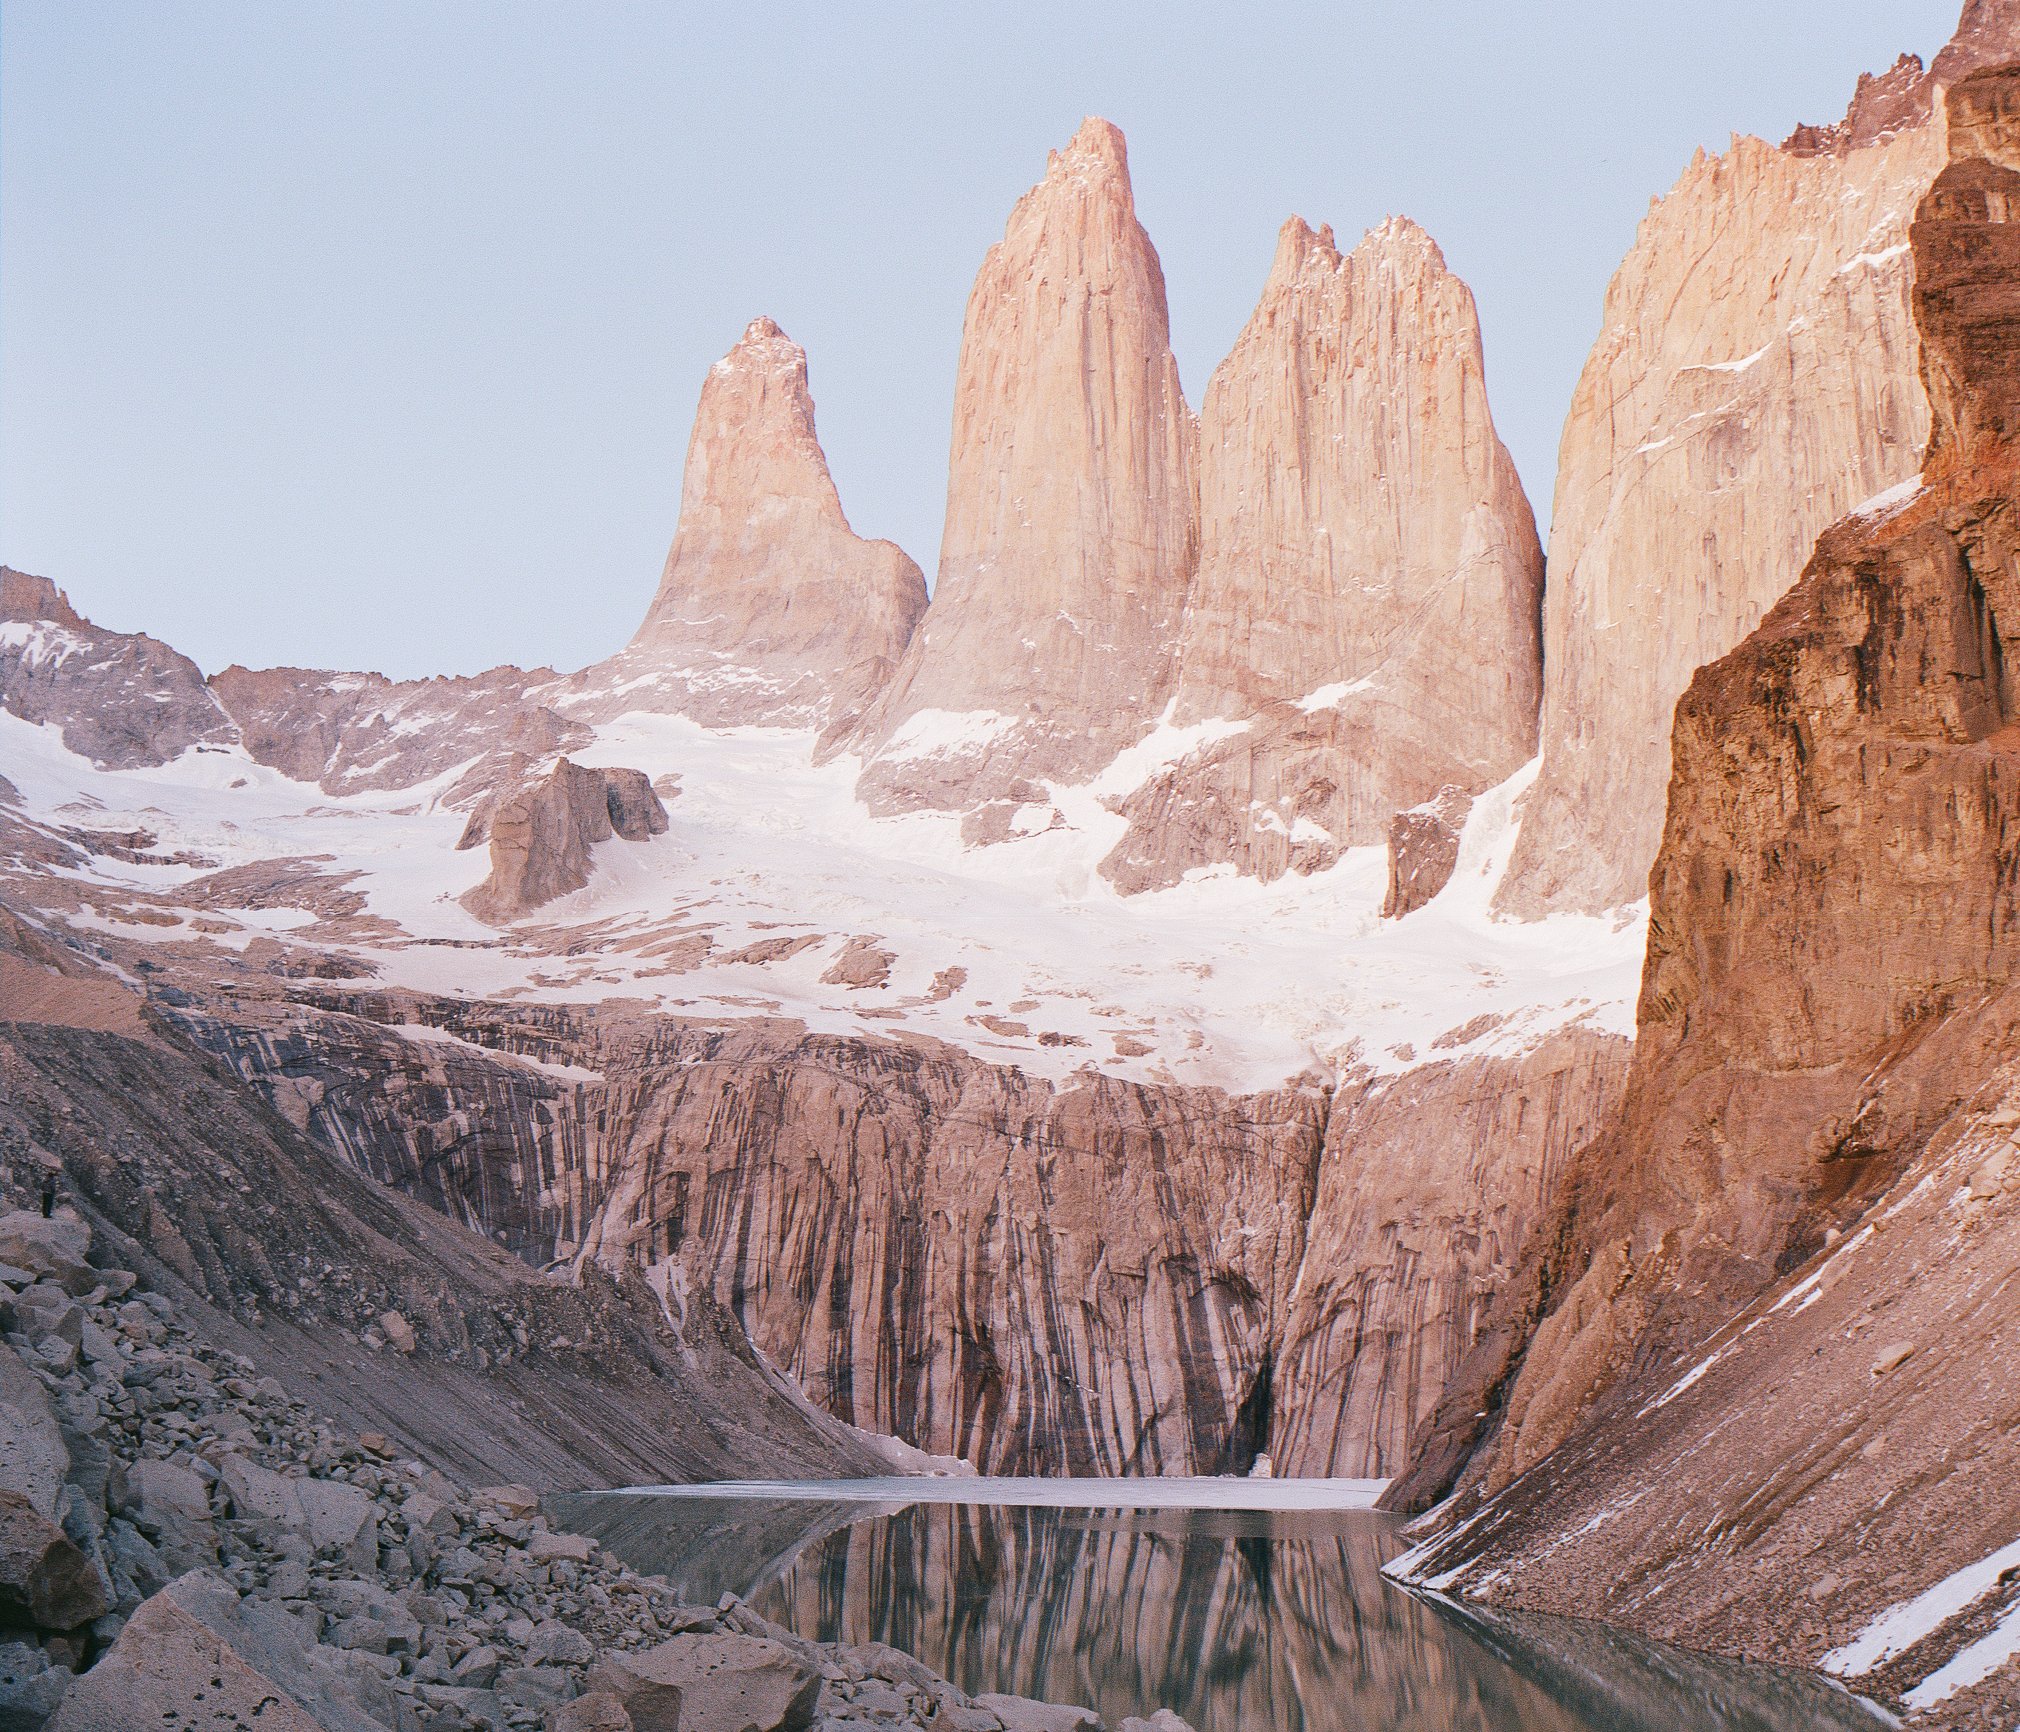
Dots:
pixel 772 871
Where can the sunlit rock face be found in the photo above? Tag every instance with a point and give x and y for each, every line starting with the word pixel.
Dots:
pixel 1369 579
pixel 771 610
pixel 1070 535
pixel 1754 379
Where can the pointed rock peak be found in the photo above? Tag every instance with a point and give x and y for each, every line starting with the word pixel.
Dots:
pixel 1098 149
pixel 764 345
pixel 24 597
pixel 1400 237
pixel 1301 247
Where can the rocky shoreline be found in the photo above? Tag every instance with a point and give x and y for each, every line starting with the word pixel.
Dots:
pixel 184 1544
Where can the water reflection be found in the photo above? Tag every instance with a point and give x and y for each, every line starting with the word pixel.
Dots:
pixel 1242 1621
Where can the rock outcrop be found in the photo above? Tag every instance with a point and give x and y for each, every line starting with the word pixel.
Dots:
pixel 1369 579
pixel 1424 851
pixel 771 610
pixel 1755 379
pixel 1800 1236
pixel 1071 509
pixel 541 834
pixel 122 699
pixel 351 733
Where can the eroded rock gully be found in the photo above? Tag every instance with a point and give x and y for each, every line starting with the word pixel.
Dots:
pixel 1092 1277
pixel 1774 1345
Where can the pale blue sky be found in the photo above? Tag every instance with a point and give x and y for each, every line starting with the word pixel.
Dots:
pixel 367 333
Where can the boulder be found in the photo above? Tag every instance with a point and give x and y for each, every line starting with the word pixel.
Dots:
pixel 712 1683
pixel 54 1246
pixel 1021 1714
pixel 599 1711
pixel 30 1686
pixel 516 1502
pixel 326 1512
pixel 33 1459
pixel 167 1669
pixel 1164 1720
pixel 45 1580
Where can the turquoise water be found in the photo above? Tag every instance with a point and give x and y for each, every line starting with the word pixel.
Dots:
pixel 1241 1620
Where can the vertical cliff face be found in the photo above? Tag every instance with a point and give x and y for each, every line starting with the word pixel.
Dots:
pixel 1070 534
pixel 1797 1238
pixel 1431 1185
pixel 771 609
pixel 1755 379
pixel 1369 574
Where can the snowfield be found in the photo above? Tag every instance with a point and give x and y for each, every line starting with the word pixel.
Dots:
pixel 1019 952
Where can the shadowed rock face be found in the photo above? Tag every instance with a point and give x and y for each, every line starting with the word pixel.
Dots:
pixel 121 699
pixel 1777 1339
pixel 1756 378
pixel 541 836
pixel 771 610
pixel 1071 509
pixel 1369 576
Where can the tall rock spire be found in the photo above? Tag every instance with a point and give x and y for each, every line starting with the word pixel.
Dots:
pixel 1369 576
pixel 771 609
pixel 1070 508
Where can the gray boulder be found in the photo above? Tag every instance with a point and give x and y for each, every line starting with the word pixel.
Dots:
pixel 30 1687
pixel 714 1683
pixel 56 1246
pixel 44 1579
pixel 1021 1714
pixel 33 1459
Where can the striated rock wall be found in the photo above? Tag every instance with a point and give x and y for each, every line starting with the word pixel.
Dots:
pixel 1431 1186
pixel 771 611
pixel 1095 1277
pixel 121 699
pixel 1071 510
pixel 1369 575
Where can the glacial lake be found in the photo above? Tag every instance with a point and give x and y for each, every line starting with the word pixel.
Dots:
pixel 1247 1619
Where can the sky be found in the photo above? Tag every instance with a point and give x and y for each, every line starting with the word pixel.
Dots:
pixel 368 333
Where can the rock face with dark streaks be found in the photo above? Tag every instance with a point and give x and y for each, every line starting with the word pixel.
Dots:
pixel 1071 511
pixel 1431 1186
pixel 541 836
pixel 1774 1338
pixel 122 699
pixel 771 610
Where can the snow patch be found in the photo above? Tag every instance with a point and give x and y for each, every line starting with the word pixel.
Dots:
pixel 1900 1627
